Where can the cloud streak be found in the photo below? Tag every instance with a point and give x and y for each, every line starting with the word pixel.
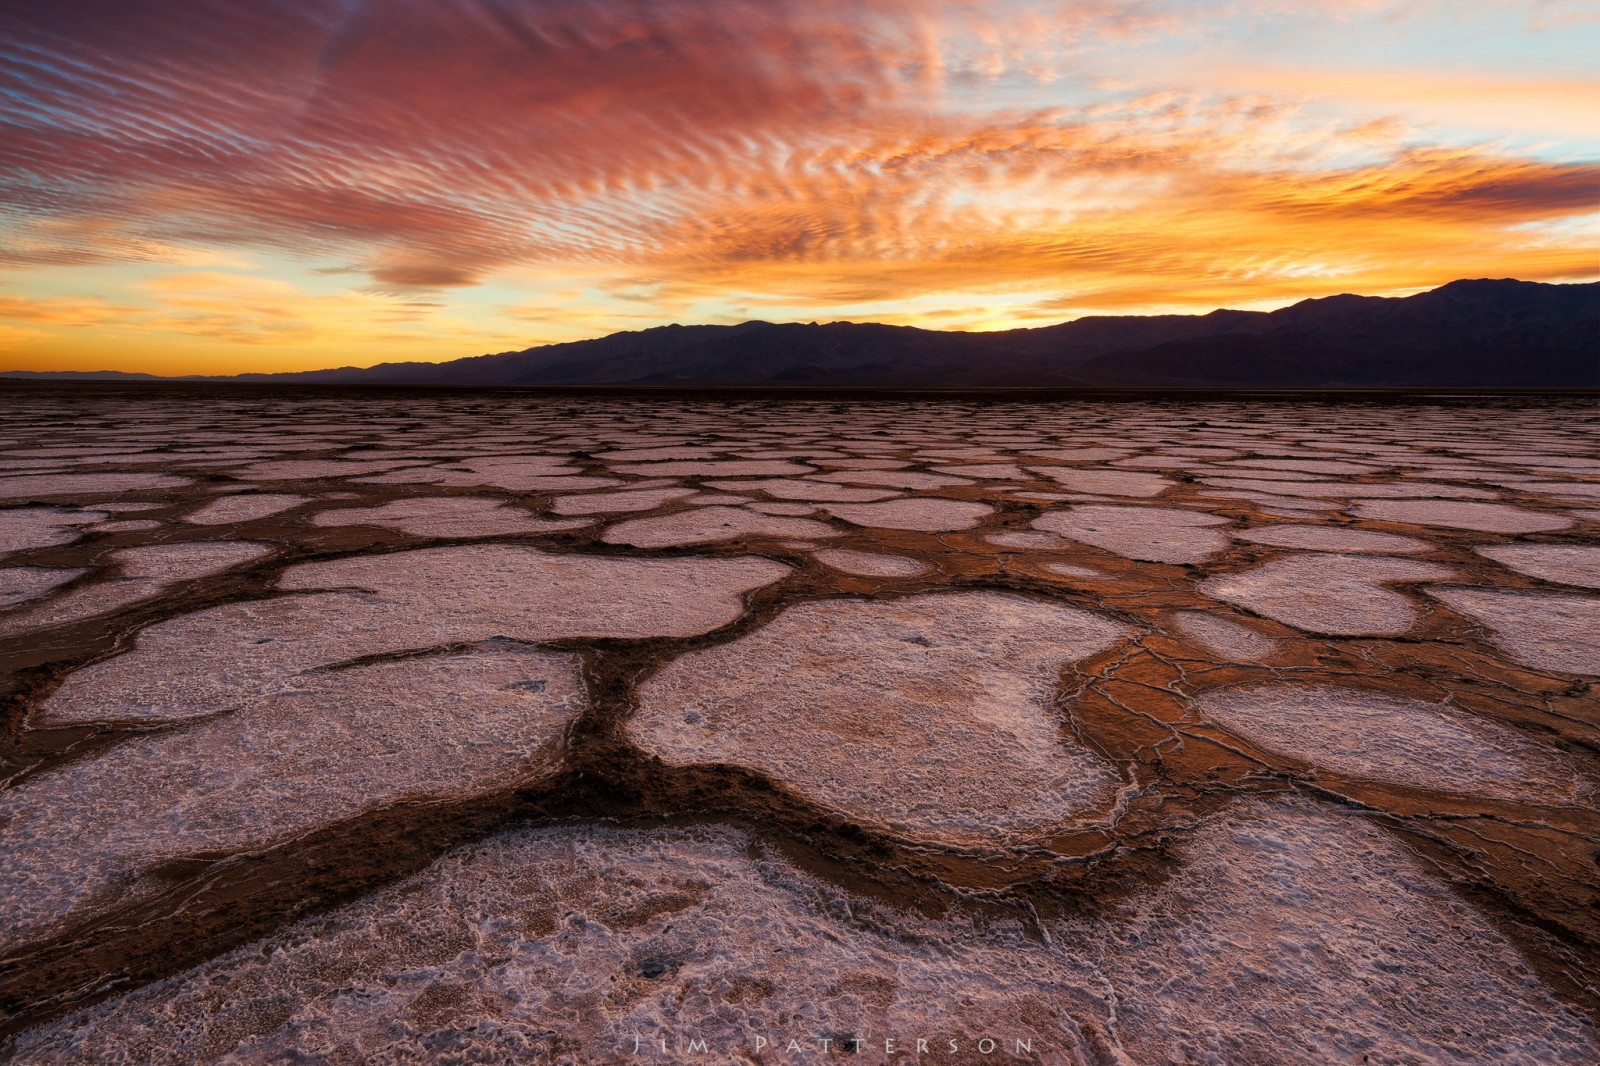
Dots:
pixel 696 157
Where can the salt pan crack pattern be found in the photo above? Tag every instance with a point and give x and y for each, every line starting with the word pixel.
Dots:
pixel 514 727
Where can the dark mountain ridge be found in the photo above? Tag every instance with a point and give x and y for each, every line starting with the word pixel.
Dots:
pixel 1467 334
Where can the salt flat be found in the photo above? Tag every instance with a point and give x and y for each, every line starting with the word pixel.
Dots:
pixel 553 729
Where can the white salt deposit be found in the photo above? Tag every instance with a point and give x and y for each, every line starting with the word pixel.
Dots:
pixel 778 508
pixel 714 468
pixel 923 514
pixel 227 657
pixel 1108 482
pixel 1025 540
pixel 1566 564
pixel 1354 490
pixel 146 572
pixel 45 486
pixel 1342 595
pixel 245 508
pixel 614 502
pixel 76 839
pixel 801 489
pixel 42 527
pixel 1225 637
pixel 1331 539
pixel 900 479
pixel 19 584
pixel 987 471
pixel 1542 630
pixel 446 516
pixel 1484 517
pixel 1268 944
pixel 1382 738
pixel 931 715
pixel 1151 534
pixel 871 564
pixel 708 525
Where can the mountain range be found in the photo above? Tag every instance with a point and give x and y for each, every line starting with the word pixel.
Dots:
pixel 1467 334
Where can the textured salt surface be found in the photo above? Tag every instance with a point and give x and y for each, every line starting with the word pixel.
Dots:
pixel 1012 538
pixel 46 486
pixel 923 514
pixel 725 468
pixel 1484 517
pixel 310 469
pixel 871 564
pixel 42 527
pixel 1353 490
pixel 1152 534
pixel 245 508
pixel 900 479
pixel 1268 944
pixel 1331 539
pixel 1108 482
pixel 931 715
pixel 708 525
pixel 145 573
pixel 779 508
pixel 1366 735
pixel 1547 632
pixel 1290 934
pixel 228 657
pixel 800 489
pixel 127 525
pixel 446 516
pixel 1566 564
pixel 614 502
pixel 1224 636
pixel 21 583
pixel 333 743
pixel 1342 595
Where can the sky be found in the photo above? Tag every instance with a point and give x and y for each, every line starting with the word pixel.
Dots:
pixel 222 186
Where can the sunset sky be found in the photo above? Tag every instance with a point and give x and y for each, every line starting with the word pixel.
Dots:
pixel 218 186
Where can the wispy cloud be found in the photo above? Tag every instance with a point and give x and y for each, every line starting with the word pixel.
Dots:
pixel 599 163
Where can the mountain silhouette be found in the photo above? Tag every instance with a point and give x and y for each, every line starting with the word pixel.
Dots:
pixel 1467 334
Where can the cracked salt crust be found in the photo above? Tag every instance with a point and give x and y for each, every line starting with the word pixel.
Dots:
pixel 871 564
pixel 1151 534
pixel 80 838
pixel 1566 564
pixel 42 527
pixel 49 485
pixel 714 468
pixel 708 525
pixel 931 714
pixel 1539 629
pixel 245 508
pixel 232 656
pixel 1331 539
pixel 920 514
pixel 1342 595
pixel 446 516
pixel 800 489
pixel 1108 482
pixel 19 584
pixel 1383 738
pixel 146 572
pixel 1267 944
pixel 1483 517
pixel 616 502
pixel 900 479
pixel 1225 637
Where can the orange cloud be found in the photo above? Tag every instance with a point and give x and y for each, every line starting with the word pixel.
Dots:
pixel 593 164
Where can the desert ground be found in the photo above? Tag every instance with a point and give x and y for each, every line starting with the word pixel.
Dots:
pixel 401 726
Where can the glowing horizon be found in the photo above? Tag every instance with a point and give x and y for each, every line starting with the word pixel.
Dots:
pixel 221 187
